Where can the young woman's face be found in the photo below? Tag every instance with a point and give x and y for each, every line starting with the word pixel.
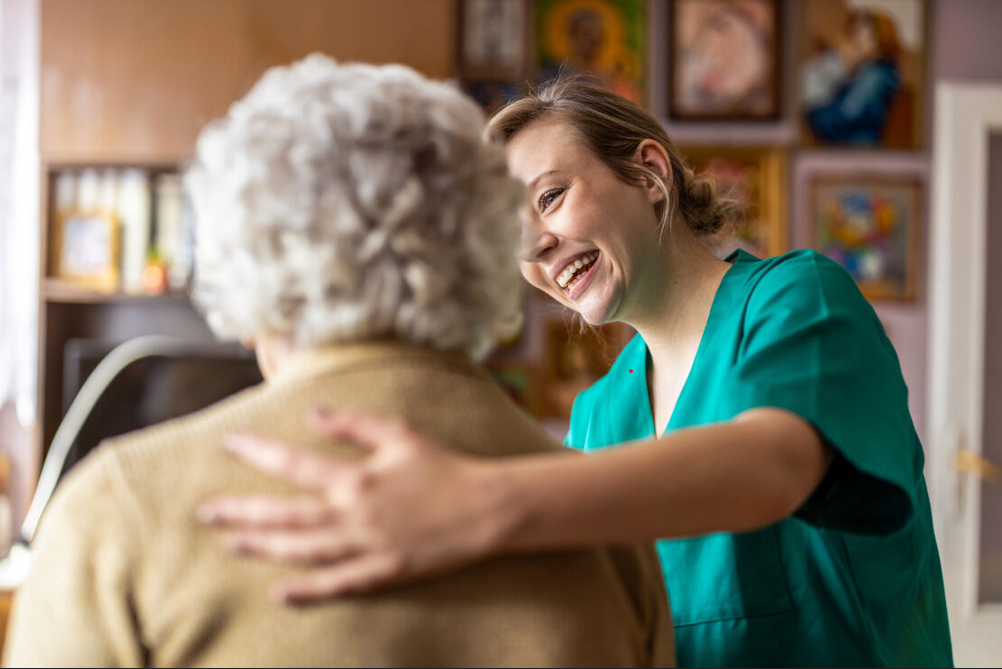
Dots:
pixel 589 240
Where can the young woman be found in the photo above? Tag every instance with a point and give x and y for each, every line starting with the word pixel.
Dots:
pixel 772 454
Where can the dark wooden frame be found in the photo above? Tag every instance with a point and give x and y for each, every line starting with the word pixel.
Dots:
pixel 677 114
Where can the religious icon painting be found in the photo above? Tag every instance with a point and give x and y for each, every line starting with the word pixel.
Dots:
pixel 861 72
pixel 724 62
pixel 604 40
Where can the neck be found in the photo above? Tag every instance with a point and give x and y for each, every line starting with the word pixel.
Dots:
pixel 673 315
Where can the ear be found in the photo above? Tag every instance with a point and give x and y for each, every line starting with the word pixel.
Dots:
pixel 654 156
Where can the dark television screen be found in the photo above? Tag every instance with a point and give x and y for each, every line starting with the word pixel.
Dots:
pixel 152 389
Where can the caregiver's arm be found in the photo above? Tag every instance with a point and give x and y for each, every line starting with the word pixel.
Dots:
pixel 413 509
pixel 735 476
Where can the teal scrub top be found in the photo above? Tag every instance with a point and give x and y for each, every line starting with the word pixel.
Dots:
pixel 853 578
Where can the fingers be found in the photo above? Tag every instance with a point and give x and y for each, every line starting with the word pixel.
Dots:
pixel 306 547
pixel 262 512
pixel 350 576
pixel 371 432
pixel 310 470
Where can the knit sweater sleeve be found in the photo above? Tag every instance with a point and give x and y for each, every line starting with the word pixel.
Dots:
pixel 76 607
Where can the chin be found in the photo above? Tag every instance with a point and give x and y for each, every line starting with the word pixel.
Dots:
pixel 597 312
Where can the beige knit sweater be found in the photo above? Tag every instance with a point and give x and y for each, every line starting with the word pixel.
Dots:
pixel 125 576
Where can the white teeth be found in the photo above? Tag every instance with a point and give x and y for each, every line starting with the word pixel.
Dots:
pixel 570 273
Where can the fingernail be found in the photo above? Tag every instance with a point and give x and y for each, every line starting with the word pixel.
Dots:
pixel 320 412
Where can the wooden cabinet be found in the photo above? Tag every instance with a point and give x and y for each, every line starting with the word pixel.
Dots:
pixel 128 80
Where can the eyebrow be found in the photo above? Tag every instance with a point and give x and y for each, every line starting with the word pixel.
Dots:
pixel 532 184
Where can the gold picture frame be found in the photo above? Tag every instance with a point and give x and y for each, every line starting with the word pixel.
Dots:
pixel 757 177
pixel 86 251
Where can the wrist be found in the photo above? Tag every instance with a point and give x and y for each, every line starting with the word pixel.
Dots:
pixel 505 509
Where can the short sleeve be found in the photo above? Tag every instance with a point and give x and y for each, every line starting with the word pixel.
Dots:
pixel 812 345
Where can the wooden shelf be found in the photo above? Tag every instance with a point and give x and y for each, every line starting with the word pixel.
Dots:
pixel 56 290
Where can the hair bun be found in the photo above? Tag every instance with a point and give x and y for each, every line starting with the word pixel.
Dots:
pixel 705 208
pixel 701 192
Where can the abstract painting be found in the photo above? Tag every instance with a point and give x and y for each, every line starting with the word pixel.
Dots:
pixel 870 225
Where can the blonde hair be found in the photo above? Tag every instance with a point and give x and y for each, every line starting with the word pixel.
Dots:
pixel 612 127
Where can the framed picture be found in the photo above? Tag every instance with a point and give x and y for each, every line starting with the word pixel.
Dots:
pixel 601 39
pixel 86 250
pixel 493 40
pixel 756 178
pixel 725 60
pixel 861 68
pixel 871 226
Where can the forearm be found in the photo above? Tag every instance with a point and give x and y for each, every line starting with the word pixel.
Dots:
pixel 735 476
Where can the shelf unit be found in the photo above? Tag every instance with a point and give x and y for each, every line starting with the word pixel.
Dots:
pixel 68 310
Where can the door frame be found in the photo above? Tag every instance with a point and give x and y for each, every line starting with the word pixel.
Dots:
pixel 967 113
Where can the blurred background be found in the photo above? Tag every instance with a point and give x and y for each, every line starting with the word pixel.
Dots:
pixel 870 130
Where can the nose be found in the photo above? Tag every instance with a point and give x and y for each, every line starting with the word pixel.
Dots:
pixel 536 242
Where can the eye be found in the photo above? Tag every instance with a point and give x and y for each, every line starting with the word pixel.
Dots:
pixel 547 198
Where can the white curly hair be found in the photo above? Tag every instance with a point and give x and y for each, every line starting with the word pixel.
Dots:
pixel 344 202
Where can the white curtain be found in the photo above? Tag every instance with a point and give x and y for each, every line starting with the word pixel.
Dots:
pixel 19 205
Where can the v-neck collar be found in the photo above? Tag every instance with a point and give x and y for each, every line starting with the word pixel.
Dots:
pixel 738 258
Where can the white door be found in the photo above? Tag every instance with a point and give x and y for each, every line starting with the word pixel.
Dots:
pixel 965 378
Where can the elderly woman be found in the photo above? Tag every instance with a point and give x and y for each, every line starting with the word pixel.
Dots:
pixel 355 229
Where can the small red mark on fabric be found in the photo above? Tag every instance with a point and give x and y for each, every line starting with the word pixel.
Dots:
pixel 631 371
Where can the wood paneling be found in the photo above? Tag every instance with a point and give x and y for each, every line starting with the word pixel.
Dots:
pixel 135 80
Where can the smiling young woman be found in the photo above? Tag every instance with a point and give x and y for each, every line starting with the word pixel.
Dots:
pixel 771 454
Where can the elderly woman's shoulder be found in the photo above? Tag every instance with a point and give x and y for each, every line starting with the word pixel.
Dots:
pixel 158 462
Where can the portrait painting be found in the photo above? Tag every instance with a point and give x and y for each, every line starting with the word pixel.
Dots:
pixel 870 226
pixel 861 68
pixel 756 179
pixel 604 40
pixel 724 60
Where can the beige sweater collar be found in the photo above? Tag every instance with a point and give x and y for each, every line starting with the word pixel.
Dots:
pixel 321 361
